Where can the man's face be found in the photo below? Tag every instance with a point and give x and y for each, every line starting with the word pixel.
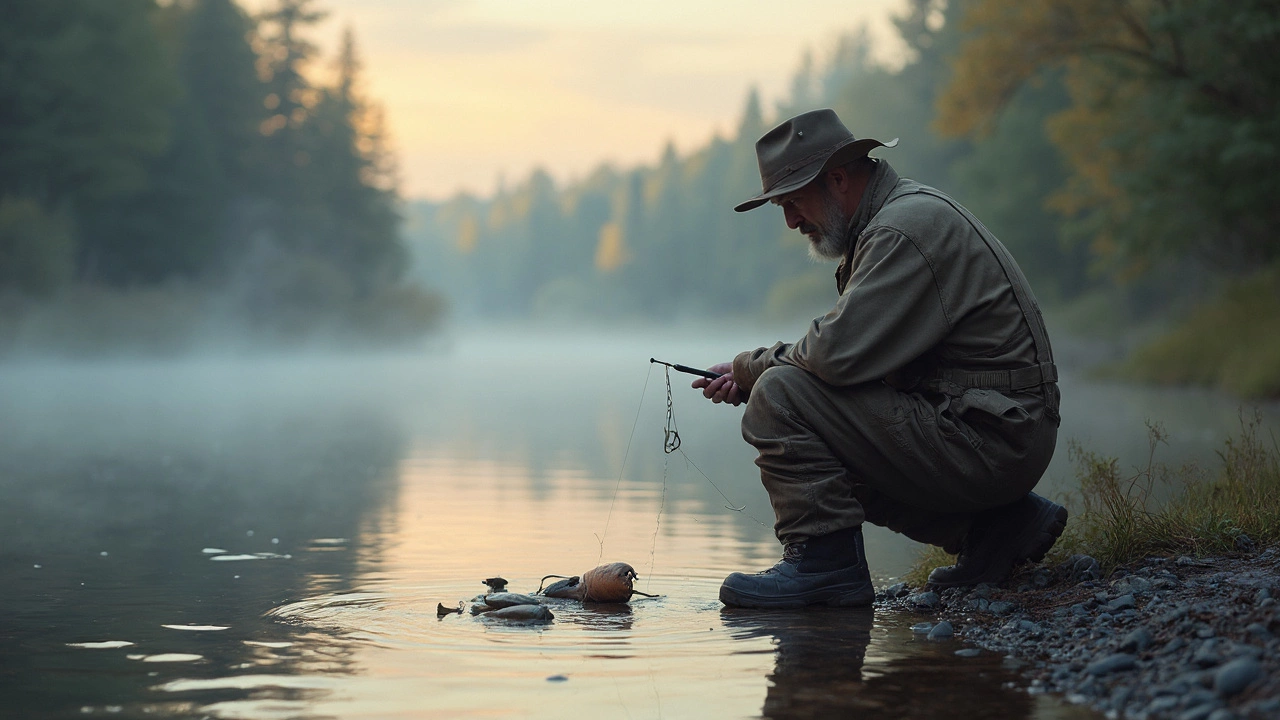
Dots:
pixel 815 211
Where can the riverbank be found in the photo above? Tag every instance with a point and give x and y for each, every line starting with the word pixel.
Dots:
pixel 1185 638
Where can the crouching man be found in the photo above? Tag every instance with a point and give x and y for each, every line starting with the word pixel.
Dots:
pixel 925 401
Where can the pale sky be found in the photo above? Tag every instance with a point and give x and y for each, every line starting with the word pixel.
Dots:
pixel 475 90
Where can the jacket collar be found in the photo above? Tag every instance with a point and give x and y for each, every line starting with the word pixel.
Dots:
pixel 883 180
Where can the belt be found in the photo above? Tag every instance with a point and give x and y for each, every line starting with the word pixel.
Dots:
pixel 1022 378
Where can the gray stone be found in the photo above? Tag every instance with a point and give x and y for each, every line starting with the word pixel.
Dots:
pixel 897 590
pixel 1271 705
pixel 1207 654
pixel 969 652
pixel 1199 712
pixel 926 600
pixel 1121 603
pixel 1000 607
pixel 1235 676
pixel 1257 629
pixel 978 605
pixel 922 628
pixel 1112 663
pixel 1104 618
pixel 1162 704
pixel 1223 714
pixel 1263 594
pixel 1138 640
pixel 1198 696
pixel 941 631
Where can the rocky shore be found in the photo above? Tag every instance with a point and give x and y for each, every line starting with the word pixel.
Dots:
pixel 1183 638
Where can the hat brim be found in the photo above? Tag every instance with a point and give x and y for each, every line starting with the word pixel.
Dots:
pixel 806 174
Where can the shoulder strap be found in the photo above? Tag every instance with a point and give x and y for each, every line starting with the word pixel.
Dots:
pixel 1031 314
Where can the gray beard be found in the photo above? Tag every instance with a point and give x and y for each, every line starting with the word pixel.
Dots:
pixel 831 243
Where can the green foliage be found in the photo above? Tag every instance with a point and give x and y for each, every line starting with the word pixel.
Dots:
pixel 1172 133
pixel 1120 518
pixel 1232 342
pixel 84 98
pixel 35 248
pixel 159 152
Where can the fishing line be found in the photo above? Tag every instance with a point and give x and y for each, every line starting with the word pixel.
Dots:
pixel 627 453
pixel 671 443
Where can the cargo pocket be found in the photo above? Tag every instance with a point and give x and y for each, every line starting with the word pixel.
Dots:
pixel 988 411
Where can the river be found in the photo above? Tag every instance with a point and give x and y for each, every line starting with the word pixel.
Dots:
pixel 269 537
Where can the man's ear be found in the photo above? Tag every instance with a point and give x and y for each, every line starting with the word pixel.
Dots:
pixel 838 180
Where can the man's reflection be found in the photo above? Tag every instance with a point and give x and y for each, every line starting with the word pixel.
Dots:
pixel 818 669
pixel 821 671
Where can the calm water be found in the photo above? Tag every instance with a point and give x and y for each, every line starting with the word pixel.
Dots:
pixel 271 537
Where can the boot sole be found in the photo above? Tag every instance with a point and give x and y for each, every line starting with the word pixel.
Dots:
pixel 847 595
pixel 1044 531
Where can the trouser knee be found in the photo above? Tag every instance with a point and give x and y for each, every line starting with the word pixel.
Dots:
pixel 772 401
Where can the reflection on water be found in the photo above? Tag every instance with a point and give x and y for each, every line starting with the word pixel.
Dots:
pixel 270 538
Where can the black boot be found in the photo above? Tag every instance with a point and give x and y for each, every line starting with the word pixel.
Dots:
pixel 828 569
pixel 1001 539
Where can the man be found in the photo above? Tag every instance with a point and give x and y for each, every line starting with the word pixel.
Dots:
pixel 925 401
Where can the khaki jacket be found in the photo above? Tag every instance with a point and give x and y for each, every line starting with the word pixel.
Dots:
pixel 922 292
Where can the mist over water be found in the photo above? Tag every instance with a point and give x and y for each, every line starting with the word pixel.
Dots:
pixel 271 536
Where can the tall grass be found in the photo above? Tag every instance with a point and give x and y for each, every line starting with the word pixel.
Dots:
pixel 1118 518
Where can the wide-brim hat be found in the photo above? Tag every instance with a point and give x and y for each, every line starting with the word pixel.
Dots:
pixel 794 153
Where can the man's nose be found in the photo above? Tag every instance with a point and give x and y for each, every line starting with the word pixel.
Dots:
pixel 793 217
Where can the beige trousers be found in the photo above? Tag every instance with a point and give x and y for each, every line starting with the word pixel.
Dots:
pixel 922 464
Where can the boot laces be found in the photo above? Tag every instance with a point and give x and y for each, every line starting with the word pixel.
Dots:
pixel 793 553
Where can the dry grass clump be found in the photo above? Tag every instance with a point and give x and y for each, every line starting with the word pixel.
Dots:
pixel 1163 510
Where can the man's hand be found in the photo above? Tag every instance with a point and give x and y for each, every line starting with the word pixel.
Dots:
pixel 722 389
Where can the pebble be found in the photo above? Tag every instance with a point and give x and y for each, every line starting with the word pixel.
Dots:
pixel 922 628
pixel 1000 607
pixel 1121 603
pixel 1138 640
pixel 1235 676
pixel 941 631
pixel 924 601
pixel 1142 643
pixel 1112 663
pixel 1199 712
pixel 897 590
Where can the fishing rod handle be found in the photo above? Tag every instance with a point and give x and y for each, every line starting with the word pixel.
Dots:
pixel 695 371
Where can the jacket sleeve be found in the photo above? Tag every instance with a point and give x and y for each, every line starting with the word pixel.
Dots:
pixel 891 312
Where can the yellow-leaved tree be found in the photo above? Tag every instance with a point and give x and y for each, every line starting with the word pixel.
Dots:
pixel 1172 135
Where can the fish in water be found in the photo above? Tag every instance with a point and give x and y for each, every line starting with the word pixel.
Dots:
pixel 498 601
pixel 609 583
pixel 521 614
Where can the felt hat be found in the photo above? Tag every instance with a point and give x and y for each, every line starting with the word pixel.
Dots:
pixel 794 153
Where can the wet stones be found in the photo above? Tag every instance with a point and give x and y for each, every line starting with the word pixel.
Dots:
pixel 1235 676
pixel 1162 639
pixel 1000 607
pixel 924 601
pixel 941 631
pixel 1124 602
pixel 1136 641
pixel 1112 663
